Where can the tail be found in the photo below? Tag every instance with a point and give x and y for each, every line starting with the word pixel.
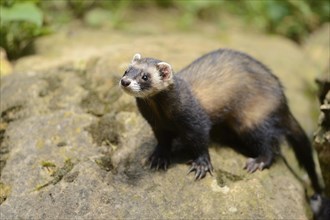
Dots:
pixel 302 148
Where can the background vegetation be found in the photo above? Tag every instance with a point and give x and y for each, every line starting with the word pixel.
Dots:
pixel 22 21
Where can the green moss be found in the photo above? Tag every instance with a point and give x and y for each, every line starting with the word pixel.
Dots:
pixel 225 178
pixel 58 174
pixel 104 163
pixel 105 131
pixel 47 164
pixel 11 114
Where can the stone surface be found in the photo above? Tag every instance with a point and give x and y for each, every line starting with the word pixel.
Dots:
pixel 74 146
pixel 5 66
pixel 317 47
pixel 322 134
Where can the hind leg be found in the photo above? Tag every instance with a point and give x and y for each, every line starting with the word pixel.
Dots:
pixel 262 148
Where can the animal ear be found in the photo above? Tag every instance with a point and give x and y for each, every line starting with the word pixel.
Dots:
pixel 165 70
pixel 136 58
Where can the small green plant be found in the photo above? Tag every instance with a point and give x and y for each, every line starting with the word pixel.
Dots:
pixel 57 174
pixel 21 23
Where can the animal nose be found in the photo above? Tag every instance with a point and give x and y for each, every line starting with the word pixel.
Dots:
pixel 125 83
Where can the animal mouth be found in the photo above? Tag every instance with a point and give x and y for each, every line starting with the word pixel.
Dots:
pixel 127 90
pixel 130 91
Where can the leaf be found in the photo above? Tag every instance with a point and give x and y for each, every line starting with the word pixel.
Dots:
pixel 22 12
pixel 277 11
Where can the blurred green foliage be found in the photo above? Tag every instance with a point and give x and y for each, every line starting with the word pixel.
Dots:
pixel 291 18
pixel 24 20
pixel 80 7
pixel 21 23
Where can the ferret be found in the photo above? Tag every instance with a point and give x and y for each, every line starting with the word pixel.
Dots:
pixel 225 96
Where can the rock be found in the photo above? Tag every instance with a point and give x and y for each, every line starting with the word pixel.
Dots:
pixel 5 66
pixel 74 146
pixel 317 47
pixel 322 134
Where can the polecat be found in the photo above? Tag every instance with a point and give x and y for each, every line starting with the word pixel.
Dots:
pixel 226 96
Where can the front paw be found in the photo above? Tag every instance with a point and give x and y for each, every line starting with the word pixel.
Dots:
pixel 159 161
pixel 202 165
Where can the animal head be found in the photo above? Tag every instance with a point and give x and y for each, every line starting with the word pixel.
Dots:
pixel 146 77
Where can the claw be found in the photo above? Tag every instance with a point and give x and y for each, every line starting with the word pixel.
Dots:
pixel 209 171
pixel 158 163
pixel 192 168
pixel 198 173
pixel 201 166
pixel 201 175
pixel 253 164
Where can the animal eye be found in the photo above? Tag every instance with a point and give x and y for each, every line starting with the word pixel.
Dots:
pixel 125 72
pixel 145 77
